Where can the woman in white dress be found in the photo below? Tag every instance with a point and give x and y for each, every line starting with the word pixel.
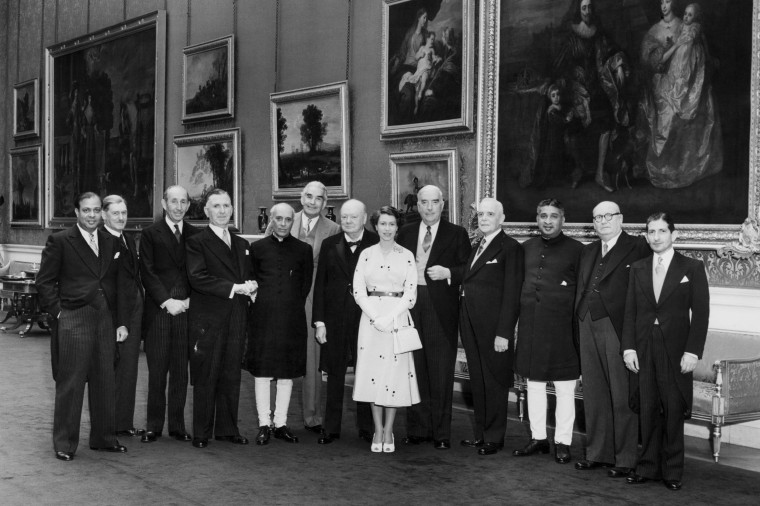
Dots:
pixel 385 288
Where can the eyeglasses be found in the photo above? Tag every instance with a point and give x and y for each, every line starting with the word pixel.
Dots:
pixel 607 217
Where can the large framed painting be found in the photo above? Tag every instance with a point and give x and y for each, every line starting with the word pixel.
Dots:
pixel 26 109
pixel 427 67
pixel 412 171
pixel 650 104
pixel 105 119
pixel 208 80
pixel 311 140
pixel 26 186
pixel 205 161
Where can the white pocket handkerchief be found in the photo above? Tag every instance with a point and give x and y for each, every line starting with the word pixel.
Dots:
pixel 247 252
pixel 564 283
pixel 117 255
pixel 685 280
pixel 494 261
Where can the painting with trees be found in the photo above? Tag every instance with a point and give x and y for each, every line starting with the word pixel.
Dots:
pixel 208 80
pixel 310 140
pixel 26 186
pixel 206 161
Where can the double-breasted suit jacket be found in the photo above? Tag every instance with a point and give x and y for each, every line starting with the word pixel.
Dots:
pixel 682 311
pixel 334 303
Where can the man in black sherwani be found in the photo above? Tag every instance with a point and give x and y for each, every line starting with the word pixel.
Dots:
pixel 282 267
pixel 545 344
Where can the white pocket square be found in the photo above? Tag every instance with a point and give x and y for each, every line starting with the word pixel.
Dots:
pixel 627 266
pixel 494 261
pixel 564 283
pixel 247 252
pixel 117 255
pixel 685 280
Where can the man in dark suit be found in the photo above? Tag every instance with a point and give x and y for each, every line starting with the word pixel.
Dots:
pixel 440 251
pixel 490 305
pixel 221 280
pixel 114 220
pixel 282 267
pixel 666 319
pixel 83 283
pixel 164 276
pixel 545 335
pixel 336 316
pixel 611 425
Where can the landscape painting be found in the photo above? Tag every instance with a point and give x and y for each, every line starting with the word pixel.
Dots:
pixel 26 186
pixel 310 140
pixel 208 80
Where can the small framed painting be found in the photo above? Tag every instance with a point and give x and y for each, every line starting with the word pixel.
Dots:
pixel 26 186
pixel 412 171
pixel 208 80
pixel 26 109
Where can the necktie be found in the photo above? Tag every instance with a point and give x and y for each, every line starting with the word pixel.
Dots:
pixel 659 278
pixel 308 225
pixel 93 244
pixel 481 247
pixel 604 249
pixel 177 233
pixel 124 242
pixel 226 237
pixel 427 240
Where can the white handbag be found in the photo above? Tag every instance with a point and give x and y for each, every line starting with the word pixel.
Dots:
pixel 405 339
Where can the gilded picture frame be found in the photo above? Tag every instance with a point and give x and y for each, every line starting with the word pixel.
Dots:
pixel 491 140
pixel 105 114
pixel 311 140
pixel 25 183
pixel 427 85
pixel 208 80
pixel 209 160
pixel 26 109
pixel 410 171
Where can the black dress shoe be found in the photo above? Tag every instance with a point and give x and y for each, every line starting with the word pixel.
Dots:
pixel 636 479
pixel 65 456
pixel 285 434
pixel 587 465
pixel 130 432
pixel 533 447
pixel 117 448
pixel 181 436
pixel 619 472
pixel 317 429
pixel 488 449
pixel 262 437
pixel 415 440
pixel 472 443
pixel 365 436
pixel 200 442
pixel 442 444
pixel 326 439
pixel 238 440
pixel 673 484
pixel 561 453
pixel 150 437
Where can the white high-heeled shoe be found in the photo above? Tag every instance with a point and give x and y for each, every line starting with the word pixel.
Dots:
pixel 376 447
pixel 390 447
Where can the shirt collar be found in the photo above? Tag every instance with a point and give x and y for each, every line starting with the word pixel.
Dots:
pixel 86 235
pixel 433 229
pixel 305 220
pixel 112 231
pixel 612 242
pixel 348 239
pixel 219 231
pixel 487 238
pixel 171 224
pixel 667 257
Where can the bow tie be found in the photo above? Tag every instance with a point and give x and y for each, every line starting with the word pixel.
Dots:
pixel 352 243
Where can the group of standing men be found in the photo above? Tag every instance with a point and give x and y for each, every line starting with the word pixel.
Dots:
pixel 635 323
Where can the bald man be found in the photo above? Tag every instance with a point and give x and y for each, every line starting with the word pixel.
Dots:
pixel 490 305
pixel 336 316
pixel 440 251
pixel 282 267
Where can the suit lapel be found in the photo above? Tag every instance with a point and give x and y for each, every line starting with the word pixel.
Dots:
pixel 617 254
pixel 83 250
pixel 169 240
pixel 295 228
pixel 220 250
pixel 439 244
pixel 488 254
pixel 676 271
pixel 241 246
pixel 343 261
pixel 105 249
pixel 644 274
pixel 588 262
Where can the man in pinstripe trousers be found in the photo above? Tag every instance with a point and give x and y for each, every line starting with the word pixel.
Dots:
pixel 85 287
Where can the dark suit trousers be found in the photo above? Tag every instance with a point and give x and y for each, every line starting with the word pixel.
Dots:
pixel 126 369
pixel 166 349
pixel 86 350
pixel 216 395
pixel 434 364
pixel 489 395
pixel 336 384
pixel 611 426
pixel 662 413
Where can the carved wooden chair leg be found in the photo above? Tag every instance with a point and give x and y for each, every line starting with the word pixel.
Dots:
pixel 718 410
pixel 521 403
